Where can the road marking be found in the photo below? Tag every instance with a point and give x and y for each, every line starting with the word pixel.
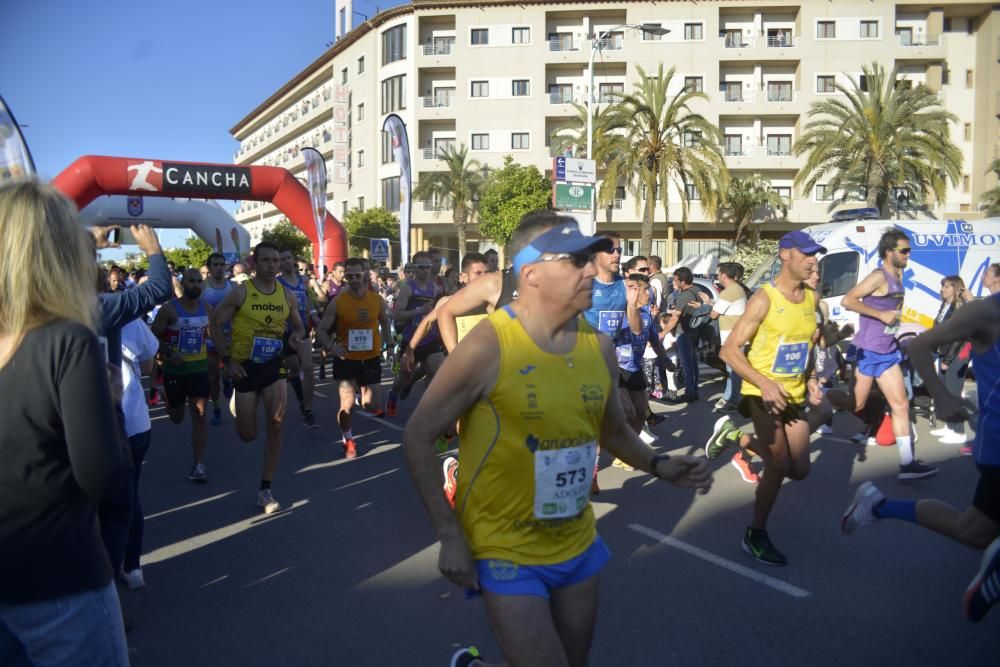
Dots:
pixel 189 505
pixel 319 393
pixel 776 584
pixel 270 576
pixel 379 420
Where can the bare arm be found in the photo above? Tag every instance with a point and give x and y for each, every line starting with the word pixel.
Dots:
pixel 732 351
pixel 426 324
pixel 484 291
pixel 223 313
pixel 298 328
pixel 166 316
pixel 868 286
pixel 632 308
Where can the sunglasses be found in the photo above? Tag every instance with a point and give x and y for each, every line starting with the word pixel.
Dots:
pixel 354 275
pixel 615 251
pixel 577 259
pixel 423 267
pixel 903 251
pixel 644 269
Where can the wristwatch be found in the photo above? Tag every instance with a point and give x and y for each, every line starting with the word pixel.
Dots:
pixel 656 459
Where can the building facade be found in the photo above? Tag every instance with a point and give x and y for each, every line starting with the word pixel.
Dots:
pixel 500 77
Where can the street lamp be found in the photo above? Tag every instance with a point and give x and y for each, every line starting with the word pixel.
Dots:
pixel 645 28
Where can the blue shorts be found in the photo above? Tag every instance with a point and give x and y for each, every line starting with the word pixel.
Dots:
pixel 506 578
pixel 873 364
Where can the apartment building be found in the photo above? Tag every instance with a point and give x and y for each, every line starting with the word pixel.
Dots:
pixel 500 77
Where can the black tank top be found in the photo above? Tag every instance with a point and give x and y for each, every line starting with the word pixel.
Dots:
pixel 508 292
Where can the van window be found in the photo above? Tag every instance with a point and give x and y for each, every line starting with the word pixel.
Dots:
pixel 839 272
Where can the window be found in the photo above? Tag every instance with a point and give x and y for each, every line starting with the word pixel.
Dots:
pixel 361 64
pixel 839 273
pixel 733 38
pixel 785 192
pixel 519 88
pixel 390 193
pixel 969 79
pixel 651 37
pixel 361 158
pixel 824 193
pixel 387 154
pixel 343 75
pixel 966 183
pixel 733 91
pixel 779 91
pixel 480 142
pixel 733 144
pixel 394 94
pixel 561 41
pixel 480 36
pixel 691 192
pixel 608 92
pixel 619 196
pixel 560 93
pixel 480 89
pixel 826 30
pixel 692 138
pixel 519 141
pixel 694 84
pixel 778 38
pixel 394 44
pixel 967 132
pixel 361 203
pixel 869 30
pixel 863 83
pixel 779 144
pixel 693 31
pixel 520 35
pixel 825 83
pixel 361 111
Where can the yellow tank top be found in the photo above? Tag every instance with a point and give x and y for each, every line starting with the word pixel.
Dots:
pixel 527 452
pixel 780 349
pixel 357 324
pixel 259 324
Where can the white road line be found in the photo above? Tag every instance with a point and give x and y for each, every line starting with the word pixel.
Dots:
pixel 189 505
pixel 776 584
pixel 319 393
pixel 381 422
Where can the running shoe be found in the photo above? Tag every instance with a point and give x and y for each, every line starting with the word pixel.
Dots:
pixel 390 405
pixel 198 473
pixel 984 591
pixel 618 463
pixel 216 415
pixel 450 469
pixel 758 544
pixel 727 408
pixel 133 578
pixel 350 449
pixel 916 469
pixel 655 418
pixel 953 438
pixel 379 414
pixel 309 420
pixel 743 466
pixel 965 451
pixel 863 438
pixel 154 397
pixel 465 657
pixel 938 432
pixel 266 501
pixel 724 433
pixel 861 511
pixel 824 429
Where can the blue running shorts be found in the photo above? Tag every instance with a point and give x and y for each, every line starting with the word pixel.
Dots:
pixel 873 364
pixel 506 578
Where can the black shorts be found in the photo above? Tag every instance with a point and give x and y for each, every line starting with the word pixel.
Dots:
pixel 364 373
pixel 179 388
pixel 632 380
pixel 421 353
pixel 260 376
pixel 752 407
pixel 987 498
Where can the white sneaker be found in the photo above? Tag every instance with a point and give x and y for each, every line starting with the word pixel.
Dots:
pixel 133 579
pixel 953 438
pixel 647 436
pixel 938 432
pixel 267 501
pixel 862 439
pixel 860 511
pixel 824 429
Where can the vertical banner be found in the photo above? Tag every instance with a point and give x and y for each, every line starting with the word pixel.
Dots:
pixel 316 179
pixel 341 134
pixel 15 159
pixel 396 128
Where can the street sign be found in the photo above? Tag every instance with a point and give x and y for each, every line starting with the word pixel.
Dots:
pixel 559 168
pixel 379 251
pixel 572 197
pixel 580 171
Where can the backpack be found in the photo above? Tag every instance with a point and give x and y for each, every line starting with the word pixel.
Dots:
pixel 699 316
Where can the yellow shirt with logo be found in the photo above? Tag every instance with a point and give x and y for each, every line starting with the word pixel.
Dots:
pixel 780 349
pixel 357 324
pixel 259 324
pixel 527 451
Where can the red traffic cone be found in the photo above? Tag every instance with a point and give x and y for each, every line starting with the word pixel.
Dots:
pixel 885 437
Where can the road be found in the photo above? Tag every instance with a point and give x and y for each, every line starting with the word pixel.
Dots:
pixel 347 575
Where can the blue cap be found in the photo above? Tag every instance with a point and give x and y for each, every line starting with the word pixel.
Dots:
pixel 802 242
pixel 564 238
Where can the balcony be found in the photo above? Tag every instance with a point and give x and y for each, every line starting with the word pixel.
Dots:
pixel 918 47
pixel 441 49
pixel 432 206
pixel 738 42
pixel 760 157
pixel 781 41
pixel 435 102
pixel 612 43
pixel 737 96
pixel 560 45
pixel 561 98
pixel 781 95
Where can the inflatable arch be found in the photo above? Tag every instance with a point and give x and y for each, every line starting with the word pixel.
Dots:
pixel 91 176
pixel 207 219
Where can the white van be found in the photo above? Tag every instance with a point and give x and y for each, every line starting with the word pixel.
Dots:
pixel 941 248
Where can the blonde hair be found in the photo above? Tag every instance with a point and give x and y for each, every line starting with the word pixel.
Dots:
pixel 48 269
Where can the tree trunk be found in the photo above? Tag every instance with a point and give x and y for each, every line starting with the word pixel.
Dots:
pixel 648 215
pixel 871 197
pixel 460 218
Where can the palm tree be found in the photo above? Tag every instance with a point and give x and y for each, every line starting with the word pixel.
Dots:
pixel 573 135
pixel 881 136
pixel 991 198
pixel 456 187
pixel 650 141
pixel 745 199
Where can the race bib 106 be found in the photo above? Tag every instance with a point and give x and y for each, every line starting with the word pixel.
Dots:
pixel 791 359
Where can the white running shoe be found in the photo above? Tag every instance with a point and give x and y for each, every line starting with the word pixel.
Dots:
pixel 860 511
pixel 824 429
pixel 133 579
pixel 953 438
pixel 267 501
pixel 938 432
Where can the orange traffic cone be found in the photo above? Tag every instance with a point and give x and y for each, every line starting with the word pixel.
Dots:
pixel 885 437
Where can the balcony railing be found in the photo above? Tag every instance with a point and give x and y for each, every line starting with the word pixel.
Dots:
pixel 445 49
pixel 746 150
pixel 558 44
pixel 434 153
pixel 738 42
pixel 919 40
pixel 616 204
pixel 432 206
pixel 737 95
pixel 611 44
pixel 435 102
pixel 781 41
pixel 560 98
pixel 780 95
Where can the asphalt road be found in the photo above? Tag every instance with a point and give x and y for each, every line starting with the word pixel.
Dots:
pixel 347 575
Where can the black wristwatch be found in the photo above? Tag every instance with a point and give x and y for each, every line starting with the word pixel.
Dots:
pixel 656 459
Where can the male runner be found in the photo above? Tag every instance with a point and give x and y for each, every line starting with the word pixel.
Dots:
pixel 491 291
pixel 258 310
pixel 362 323
pixel 298 358
pixel 780 325
pixel 182 328
pixel 878 299
pixel 240 274
pixel 333 284
pixel 979 525
pixel 415 299
pixel 216 289
pixel 534 391
pixel 493 260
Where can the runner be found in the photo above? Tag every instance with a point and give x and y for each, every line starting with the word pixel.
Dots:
pixel 362 323
pixel 491 292
pixel 298 358
pixel 256 364
pixel 878 299
pixel 526 537
pixel 978 526
pixel 780 325
pixel 182 327
pixel 216 289
pixel 333 284
pixel 415 299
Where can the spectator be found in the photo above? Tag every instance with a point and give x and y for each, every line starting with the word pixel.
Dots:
pixel 728 309
pixel 953 358
pixel 686 327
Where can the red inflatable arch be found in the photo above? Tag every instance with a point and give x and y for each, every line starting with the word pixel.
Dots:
pixel 94 175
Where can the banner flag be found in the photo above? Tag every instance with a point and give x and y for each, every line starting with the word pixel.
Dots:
pixel 396 128
pixel 316 179
pixel 15 158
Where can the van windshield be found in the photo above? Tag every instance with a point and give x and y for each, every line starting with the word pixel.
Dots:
pixel 839 273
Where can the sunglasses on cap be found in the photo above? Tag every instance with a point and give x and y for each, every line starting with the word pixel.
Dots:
pixel 577 259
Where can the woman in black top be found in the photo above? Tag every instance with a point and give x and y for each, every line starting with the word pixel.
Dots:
pixel 58 441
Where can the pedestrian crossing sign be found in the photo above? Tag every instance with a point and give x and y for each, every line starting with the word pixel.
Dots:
pixel 379 250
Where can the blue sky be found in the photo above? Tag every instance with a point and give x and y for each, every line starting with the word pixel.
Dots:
pixel 160 80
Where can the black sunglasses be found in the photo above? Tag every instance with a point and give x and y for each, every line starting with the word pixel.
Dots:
pixel 904 251
pixel 353 275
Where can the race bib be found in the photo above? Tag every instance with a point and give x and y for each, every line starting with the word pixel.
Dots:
pixel 301 298
pixel 264 349
pixel 191 341
pixel 624 354
pixel 466 323
pixel 791 359
pixel 562 480
pixel 359 340
pixel 610 321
